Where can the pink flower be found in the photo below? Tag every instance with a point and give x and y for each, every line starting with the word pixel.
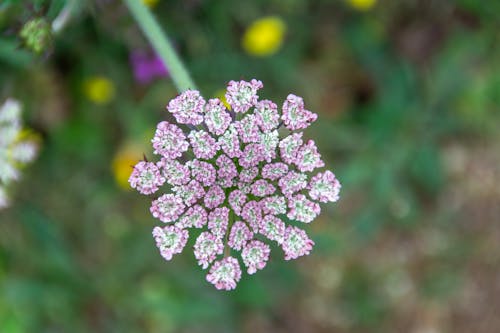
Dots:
pixel 273 228
pixel 225 273
pixel 207 248
pixel 230 142
pixel 217 118
pixel 187 108
pixel 273 205
pixel 242 95
pixel 289 147
pixel 292 182
pixel 167 208
pixel 294 115
pixel 218 220
pixel 214 197
pixel 239 236
pixel 324 187
pixel 195 216
pixel 308 157
pixel 262 188
pixel 255 255
pixel 252 155
pixel 174 172
pixel 302 209
pixel 170 240
pixel 146 177
pixel 190 192
pixel 203 144
pixel 274 171
pixel 230 174
pixel 252 214
pixel 267 115
pixel 169 141
pixel 296 243
pixel 227 169
pixel 203 172
pixel 248 129
pixel 236 200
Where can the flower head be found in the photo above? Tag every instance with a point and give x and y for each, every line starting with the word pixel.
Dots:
pixel 17 147
pixel 170 240
pixel 296 243
pixel 255 255
pixel 242 95
pixel 207 247
pixel 187 108
pixel 225 273
pixel 99 89
pixel 146 177
pixel 230 173
pixel 167 208
pixel 264 36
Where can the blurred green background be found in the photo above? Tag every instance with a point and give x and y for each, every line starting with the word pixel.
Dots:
pixel 408 97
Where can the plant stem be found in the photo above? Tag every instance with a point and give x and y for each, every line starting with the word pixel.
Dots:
pixel 161 44
pixel 64 16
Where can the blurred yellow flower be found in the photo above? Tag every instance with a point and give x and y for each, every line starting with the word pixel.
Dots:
pixel 221 94
pixel 150 3
pixel 362 4
pixel 125 158
pixel 99 89
pixel 264 36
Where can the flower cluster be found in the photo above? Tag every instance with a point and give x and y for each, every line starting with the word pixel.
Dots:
pixel 233 175
pixel 16 147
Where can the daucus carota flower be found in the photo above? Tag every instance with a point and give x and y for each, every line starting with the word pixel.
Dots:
pixel 187 108
pixel 17 147
pixel 225 273
pixel 207 248
pixel 170 240
pixel 296 243
pixel 255 255
pixel 239 236
pixel 239 174
pixel 169 141
pixel 167 208
pixel 146 177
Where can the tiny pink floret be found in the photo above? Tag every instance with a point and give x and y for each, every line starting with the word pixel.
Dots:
pixel 225 273
pixel 187 108
pixel 146 177
pixel 170 240
pixel 255 255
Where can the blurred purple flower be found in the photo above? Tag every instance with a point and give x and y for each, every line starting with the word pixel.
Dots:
pixel 147 67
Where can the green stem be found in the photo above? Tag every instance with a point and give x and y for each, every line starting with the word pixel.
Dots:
pixel 161 44
pixel 70 9
pixel 227 250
